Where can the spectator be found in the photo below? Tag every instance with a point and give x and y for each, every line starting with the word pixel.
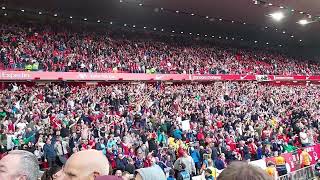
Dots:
pixel 183 173
pixel 243 171
pixel 49 153
pixel 118 173
pixel 52 173
pixel 220 163
pixel 19 164
pixel 151 173
pixel 171 175
pixel 271 170
pixel 87 164
pixel 187 161
pixel 208 174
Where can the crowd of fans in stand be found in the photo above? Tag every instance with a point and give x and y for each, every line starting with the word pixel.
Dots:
pixel 43 48
pixel 137 125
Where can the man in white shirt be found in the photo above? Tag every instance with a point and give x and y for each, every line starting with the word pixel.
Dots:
pixel 61 148
pixel 304 138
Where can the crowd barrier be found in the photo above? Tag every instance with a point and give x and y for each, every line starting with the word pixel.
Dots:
pixel 293 164
pixel 84 76
pixel 306 173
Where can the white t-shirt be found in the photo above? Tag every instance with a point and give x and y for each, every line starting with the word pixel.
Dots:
pixel 304 138
pixel 21 125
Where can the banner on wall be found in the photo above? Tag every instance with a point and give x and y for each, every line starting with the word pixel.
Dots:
pixel 84 76
pixel 262 78
pixel 293 159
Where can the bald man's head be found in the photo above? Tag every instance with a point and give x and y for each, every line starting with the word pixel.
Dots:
pixel 85 165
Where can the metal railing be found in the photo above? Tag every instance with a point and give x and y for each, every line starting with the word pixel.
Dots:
pixel 306 173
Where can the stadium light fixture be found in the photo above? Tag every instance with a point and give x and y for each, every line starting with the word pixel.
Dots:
pixel 220 19
pixel 98 21
pixel 292 36
pixel 270 4
pixel 278 16
pixel 3 8
pixel 154 29
pixel 207 17
pixel 292 10
pixel 144 27
pixel 192 14
pixel 181 32
pixel 40 13
pixel 301 12
pixel 177 11
pixel 22 10
pixel 281 7
pixel 55 15
pixel 133 26
pixel 303 22
pixel 267 43
pixel 70 17
pixel 5 14
pixel 244 23
pixel 255 41
pixel 190 33
pixel 232 21
pixel 283 32
pixel 85 19
pixel 140 4
pixel 111 22
pixel 162 30
pixel 172 31
pixel 300 40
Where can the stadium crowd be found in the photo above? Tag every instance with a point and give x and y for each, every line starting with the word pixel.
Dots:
pixel 45 48
pixel 185 127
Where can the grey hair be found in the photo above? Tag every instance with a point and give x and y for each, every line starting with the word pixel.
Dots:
pixel 28 165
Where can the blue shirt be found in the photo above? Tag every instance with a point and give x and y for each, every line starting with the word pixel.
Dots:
pixel 177 134
pixel 49 151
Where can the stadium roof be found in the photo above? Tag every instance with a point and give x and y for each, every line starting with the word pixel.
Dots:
pixel 241 21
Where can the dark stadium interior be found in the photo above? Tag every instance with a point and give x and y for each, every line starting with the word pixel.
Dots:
pixel 192 18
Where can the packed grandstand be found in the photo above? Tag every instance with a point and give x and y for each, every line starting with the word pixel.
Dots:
pixel 204 106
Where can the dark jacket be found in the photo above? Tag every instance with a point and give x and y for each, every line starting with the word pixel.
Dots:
pixel 121 163
pixel 49 152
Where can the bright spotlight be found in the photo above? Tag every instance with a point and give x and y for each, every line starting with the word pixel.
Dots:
pixel 278 16
pixel 303 22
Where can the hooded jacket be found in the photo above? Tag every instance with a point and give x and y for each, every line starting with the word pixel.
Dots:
pixel 152 173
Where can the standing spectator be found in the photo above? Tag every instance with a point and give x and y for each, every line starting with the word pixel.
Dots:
pixel 187 161
pixel 121 162
pixel 61 148
pixel 49 153
pixel 196 158
pixel 183 173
